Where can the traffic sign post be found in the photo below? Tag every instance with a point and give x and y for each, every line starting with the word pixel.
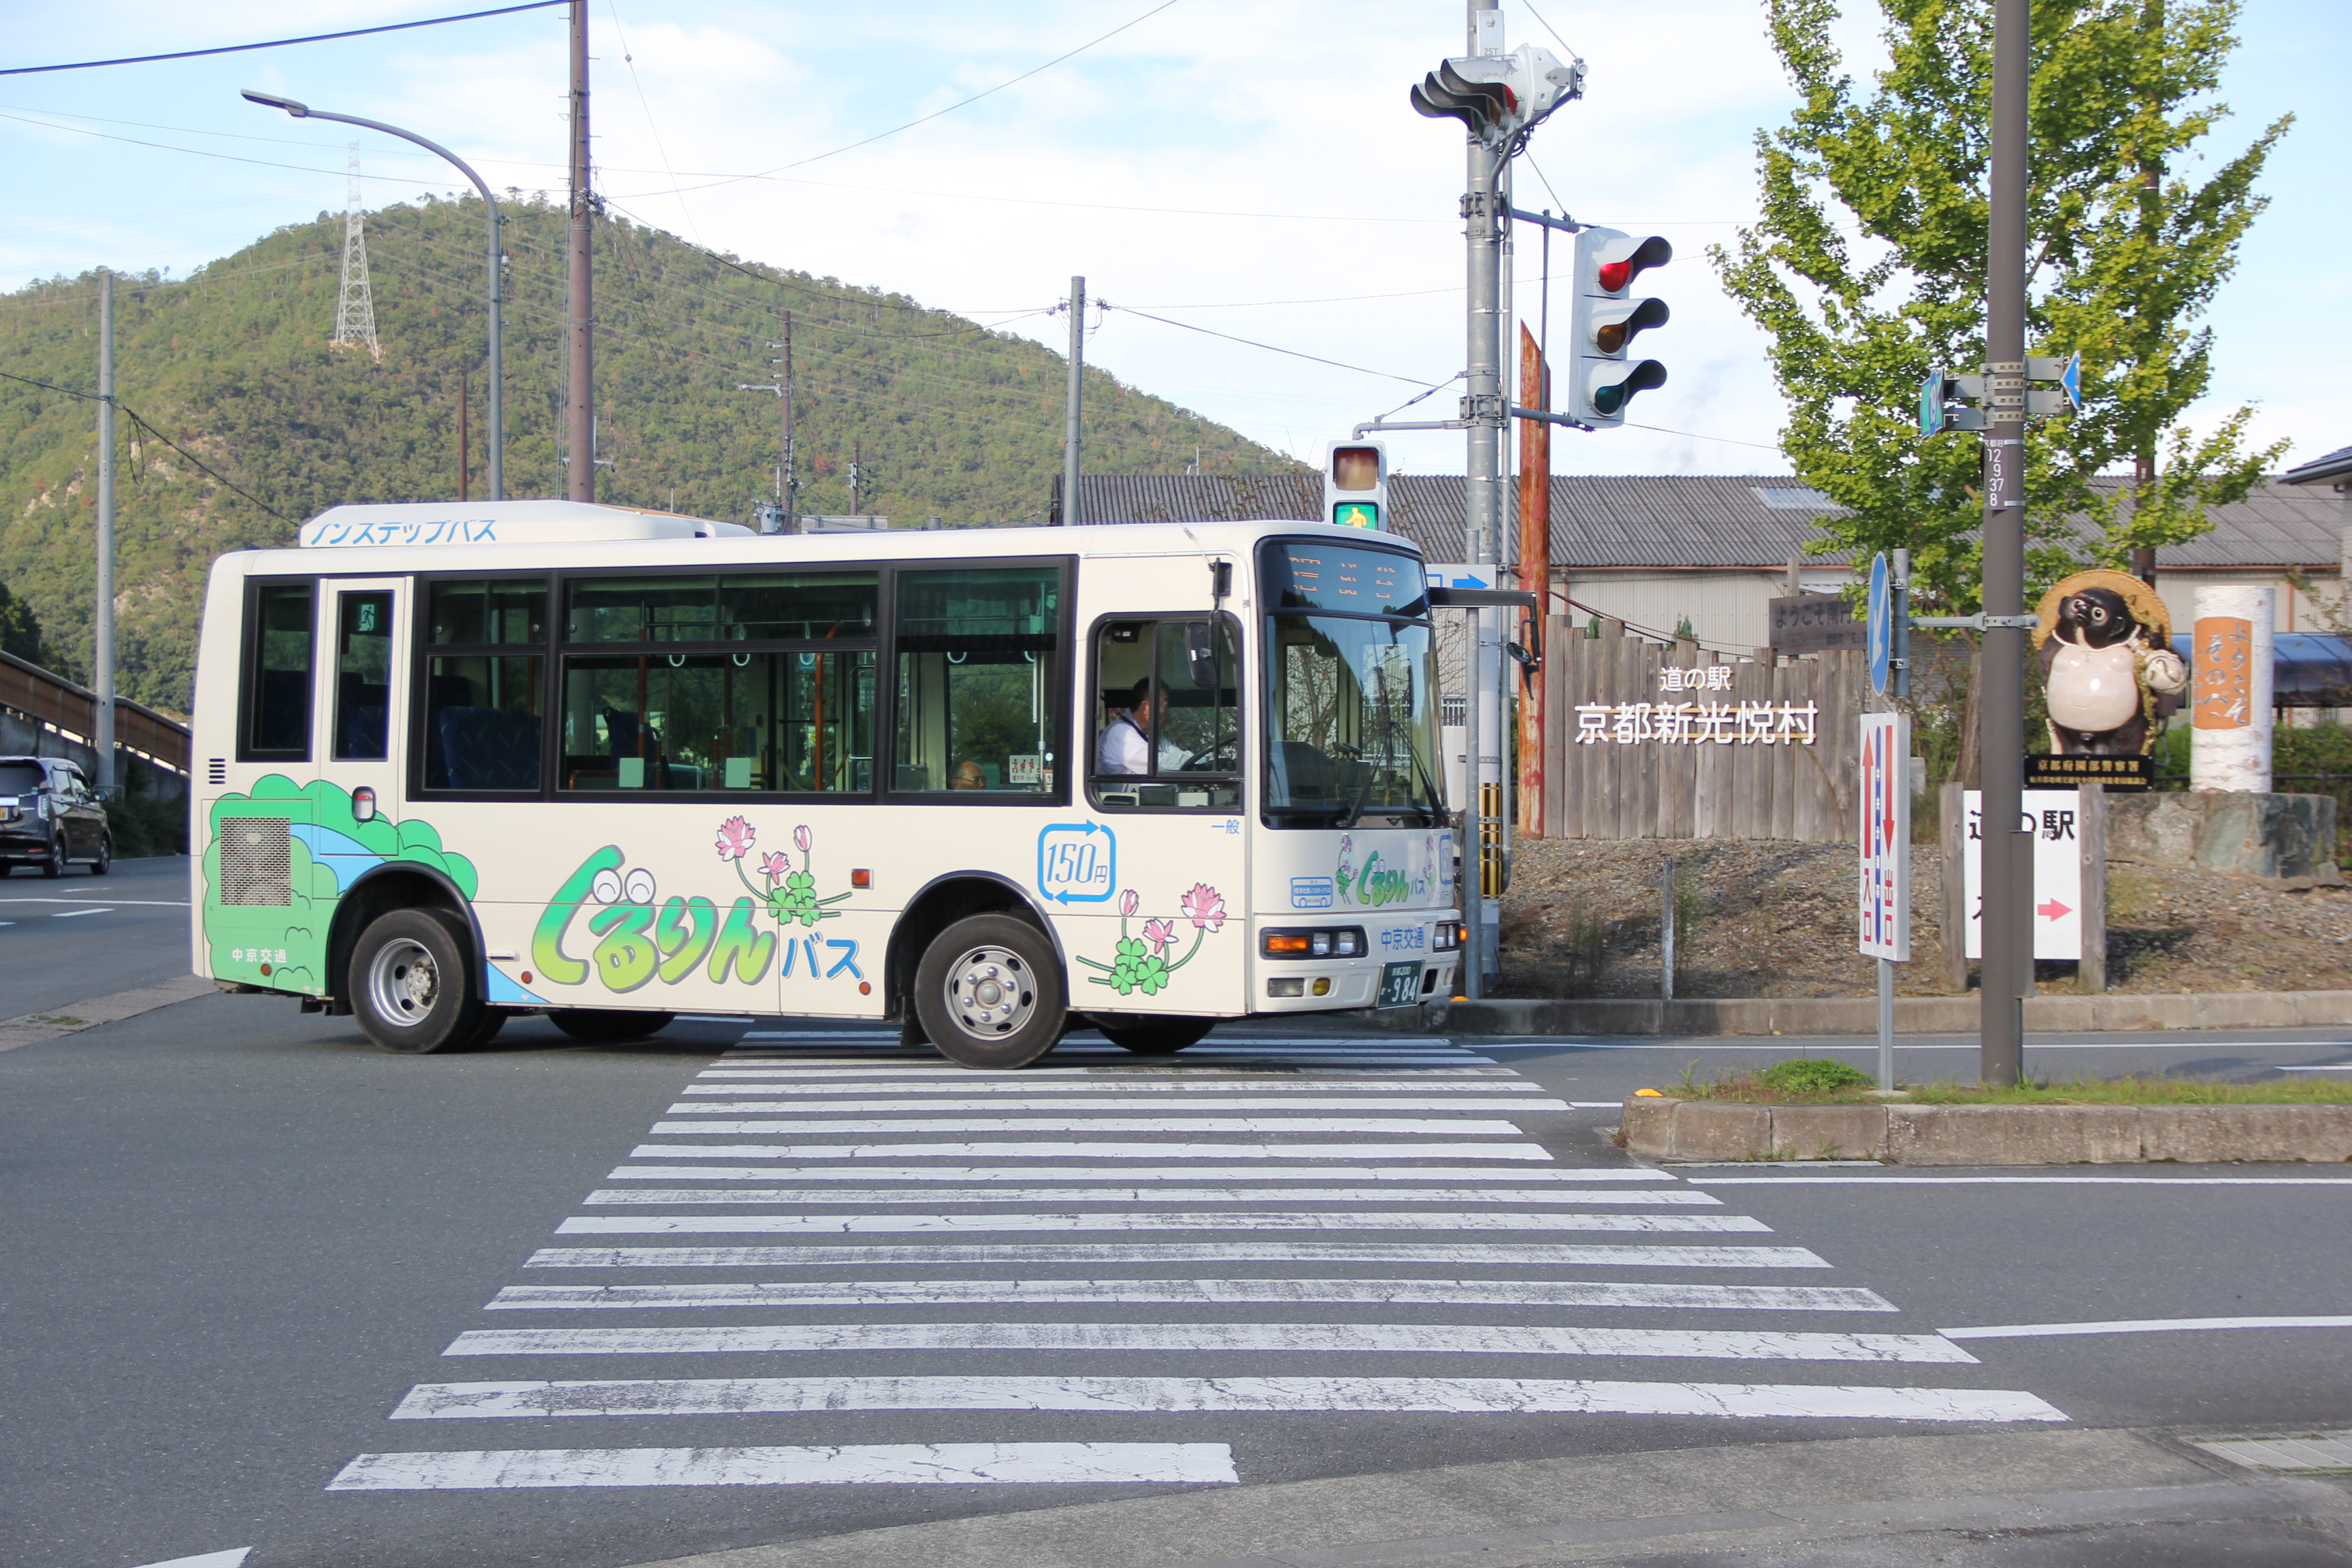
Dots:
pixel 1889 636
pixel 1885 840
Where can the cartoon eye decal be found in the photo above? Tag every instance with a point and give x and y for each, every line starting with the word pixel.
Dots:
pixel 641 886
pixel 608 886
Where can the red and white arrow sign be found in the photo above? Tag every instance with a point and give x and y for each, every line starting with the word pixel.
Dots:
pixel 2053 909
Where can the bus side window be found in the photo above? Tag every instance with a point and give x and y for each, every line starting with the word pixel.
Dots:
pixel 979 681
pixel 362 675
pixel 1167 728
pixel 278 659
pixel 485 685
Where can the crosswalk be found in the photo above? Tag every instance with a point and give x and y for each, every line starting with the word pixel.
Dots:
pixel 1136 1263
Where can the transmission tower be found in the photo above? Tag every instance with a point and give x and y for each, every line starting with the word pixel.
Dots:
pixel 355 310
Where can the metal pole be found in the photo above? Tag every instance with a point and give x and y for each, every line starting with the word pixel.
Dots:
pixel 104 628
pixel 580 483
pixel 2008 864
pixel 787 482
pixel 1483 408
pixel 1886 1024
pixel 465 446
pixel 1070 432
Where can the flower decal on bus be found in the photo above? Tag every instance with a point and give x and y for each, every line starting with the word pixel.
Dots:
pixel 790 896
pixel 1140 964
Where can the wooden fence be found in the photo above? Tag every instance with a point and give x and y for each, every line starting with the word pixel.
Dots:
pixel 52 702
pixel 1647 741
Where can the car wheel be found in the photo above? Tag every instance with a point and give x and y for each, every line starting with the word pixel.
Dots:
pixel 603 1025
pixel 54 866
pixel 411 984
pixel 105 861
pixel 989 993
pixel 1153 1037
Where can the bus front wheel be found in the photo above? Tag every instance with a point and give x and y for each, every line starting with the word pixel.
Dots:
pixel 601 1025
pixel 412 988
pixel 1152 1037
pixel 989 993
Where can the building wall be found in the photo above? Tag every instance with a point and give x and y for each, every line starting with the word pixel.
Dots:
pixel 1727 607
pixel 2298 611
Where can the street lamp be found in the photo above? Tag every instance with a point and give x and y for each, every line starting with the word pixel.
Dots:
pixel 497 378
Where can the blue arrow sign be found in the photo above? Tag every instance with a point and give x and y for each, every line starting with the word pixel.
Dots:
pixel 1881 635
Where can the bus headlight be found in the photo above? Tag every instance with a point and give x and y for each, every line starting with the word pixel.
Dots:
pixel 1446 937
pixel 1340 942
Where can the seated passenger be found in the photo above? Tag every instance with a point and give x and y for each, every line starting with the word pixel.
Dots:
pixel 967 774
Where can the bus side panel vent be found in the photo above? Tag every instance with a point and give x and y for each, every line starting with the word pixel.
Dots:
pixel 253 862
pixel 216 771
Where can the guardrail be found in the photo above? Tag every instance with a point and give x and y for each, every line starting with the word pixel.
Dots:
pixel 57 704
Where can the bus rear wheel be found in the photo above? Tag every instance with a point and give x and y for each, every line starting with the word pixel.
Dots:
pixel 603 1025
pixel 1153 1037
pixel 411 987
pixel 989 993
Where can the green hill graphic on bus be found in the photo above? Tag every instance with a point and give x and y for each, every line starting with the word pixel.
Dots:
pixel 276 860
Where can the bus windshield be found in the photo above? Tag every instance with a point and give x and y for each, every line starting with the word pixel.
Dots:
pixel 1351 689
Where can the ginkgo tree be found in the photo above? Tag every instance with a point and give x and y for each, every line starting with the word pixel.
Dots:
pixel 1867 269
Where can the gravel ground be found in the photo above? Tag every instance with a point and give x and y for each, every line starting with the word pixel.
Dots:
pixel 1770 918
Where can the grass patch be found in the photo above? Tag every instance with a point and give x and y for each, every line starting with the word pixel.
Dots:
pixel 1813 1088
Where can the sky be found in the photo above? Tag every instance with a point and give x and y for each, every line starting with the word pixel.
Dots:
pixel 1248 171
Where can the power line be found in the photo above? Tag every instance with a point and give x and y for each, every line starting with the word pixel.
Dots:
pixel 1252 342
pixel 281 43
pixel 139 420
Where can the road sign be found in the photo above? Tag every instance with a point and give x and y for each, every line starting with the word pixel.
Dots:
pixel 2049 814
pixel 1886 889
pixel 1931 403
pixel 1881 625
pixel 2071 379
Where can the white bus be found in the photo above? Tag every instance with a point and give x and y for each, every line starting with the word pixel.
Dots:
pixel 459 763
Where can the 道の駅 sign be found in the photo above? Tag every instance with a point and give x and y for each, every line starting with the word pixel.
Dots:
pixel 1886 839
pixel 1742 724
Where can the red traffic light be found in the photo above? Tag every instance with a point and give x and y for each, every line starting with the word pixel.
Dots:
pixel 1614 275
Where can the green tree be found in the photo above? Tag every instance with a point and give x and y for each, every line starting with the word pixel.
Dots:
pixel 1868 269
pixel 20 634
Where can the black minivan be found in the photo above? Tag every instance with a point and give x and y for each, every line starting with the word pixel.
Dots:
pixel 49 819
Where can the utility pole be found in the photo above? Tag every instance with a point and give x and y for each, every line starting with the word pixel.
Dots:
pixel 787 496
pixel 1070 434
pixel 580 306
pixel 857 478
pixel 103 659
pixel 465 454
pixel 2008 853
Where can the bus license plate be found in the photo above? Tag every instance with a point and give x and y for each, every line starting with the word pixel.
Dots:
pixel 1400 984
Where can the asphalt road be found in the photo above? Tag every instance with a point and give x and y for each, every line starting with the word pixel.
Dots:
pixel 82 936
pixel 267 1286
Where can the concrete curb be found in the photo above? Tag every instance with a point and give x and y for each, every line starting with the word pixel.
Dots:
pixel 1758 1015
pixel 1662 1128
pixel 34 1027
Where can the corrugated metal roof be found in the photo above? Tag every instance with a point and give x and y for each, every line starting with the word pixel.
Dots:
pixel 1600 521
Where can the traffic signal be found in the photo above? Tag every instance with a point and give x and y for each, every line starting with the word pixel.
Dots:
pixel 1356 484
pixel 1606 317
pixel 1498 96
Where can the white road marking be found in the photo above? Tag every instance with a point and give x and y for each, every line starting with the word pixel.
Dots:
pixel 114 903
pixel 1100 1172
pixel 1869 1046
pixel 1820 1181
pixel 1624 1197
pixel 1240 1099
pixel 229 1559
pixel 878 1224
pixel 854 1464
pixel 1466 1396
pixel 1193 1293
pixel 2324 1066
pixel 2142 1326
pixel 1528 1151
pixel 68 914
pixel 841 1036
pixel 1113 1057
pixel 818 1126
pixel 731 1081
pixel 1498 1254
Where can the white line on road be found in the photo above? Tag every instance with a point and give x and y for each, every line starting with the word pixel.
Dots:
pixel 732 1081
pixel 1622 1196
pixel 880 1224
pixel 70 914
pixel 2142 1326
pixel 112 903
pixel 815 1105
pixel 2323 1067
pixel 1822 1181
pixel 1427 1254
pixel 854 1464
pixel 1100 1172
pixel 1466 1396
pixel 819 1127
pixel 229 1559
pixel 1521 1152
pixel 1194 1292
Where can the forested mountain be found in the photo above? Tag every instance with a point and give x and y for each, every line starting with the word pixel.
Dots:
pixel 233 363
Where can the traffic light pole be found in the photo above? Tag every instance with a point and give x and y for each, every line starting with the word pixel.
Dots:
pixel 2008 853
pixel 1483 405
